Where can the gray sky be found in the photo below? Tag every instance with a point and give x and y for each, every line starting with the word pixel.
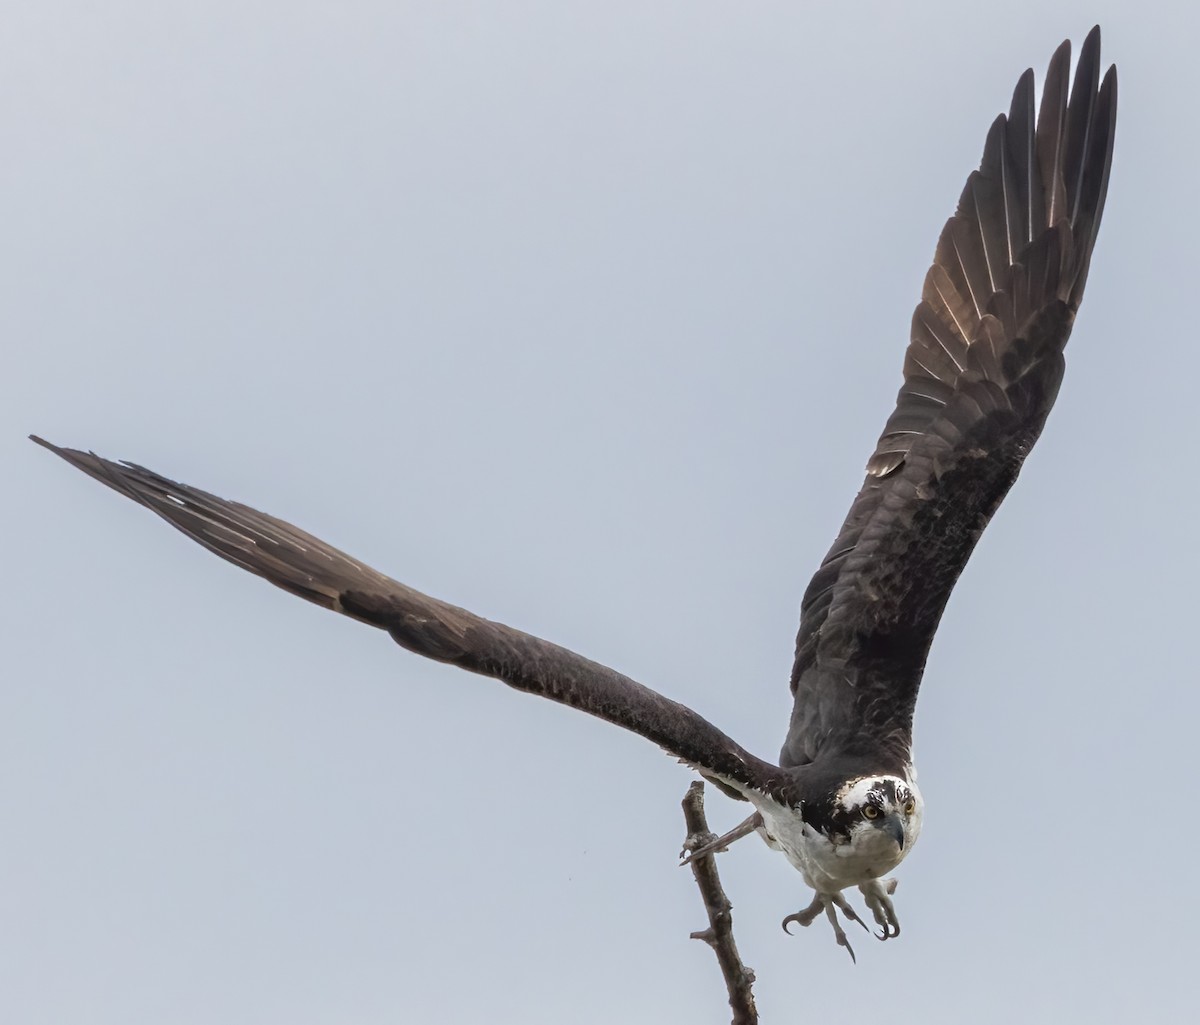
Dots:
pixel 585 317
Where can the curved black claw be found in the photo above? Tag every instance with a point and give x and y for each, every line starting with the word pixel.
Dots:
pixel 848 911
pixel 830 903
pixel 878 895
pixel 889 931
pixel 805 917
pixel 838 932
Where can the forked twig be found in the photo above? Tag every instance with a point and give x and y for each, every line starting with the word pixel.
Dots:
pixel 739 979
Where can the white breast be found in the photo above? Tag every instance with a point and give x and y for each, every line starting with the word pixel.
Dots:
pixel 827 867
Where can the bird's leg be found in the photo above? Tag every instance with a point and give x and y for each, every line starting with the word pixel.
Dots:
pixel 878 895
pixel 699 846
pixel 829 903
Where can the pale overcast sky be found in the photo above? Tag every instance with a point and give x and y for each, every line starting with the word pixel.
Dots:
pixel 585 317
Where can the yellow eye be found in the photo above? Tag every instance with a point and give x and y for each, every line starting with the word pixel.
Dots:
pixel 871 812
pixel 910 806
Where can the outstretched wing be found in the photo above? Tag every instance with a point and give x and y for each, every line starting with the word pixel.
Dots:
pixel 981 373
pixel 317 572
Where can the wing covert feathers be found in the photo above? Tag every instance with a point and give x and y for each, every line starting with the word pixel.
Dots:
pixel 311 569
pixel 980 375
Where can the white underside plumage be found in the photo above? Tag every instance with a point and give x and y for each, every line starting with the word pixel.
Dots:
pixel 861 850
pixel 829 866
pixel 826 866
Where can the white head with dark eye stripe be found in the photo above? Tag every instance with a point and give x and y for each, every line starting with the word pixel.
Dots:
pixel 881 813
pixel 877 818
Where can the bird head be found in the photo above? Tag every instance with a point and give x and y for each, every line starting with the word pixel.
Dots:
pixel 878 817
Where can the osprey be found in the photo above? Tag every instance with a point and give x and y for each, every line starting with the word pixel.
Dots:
pixel 981 372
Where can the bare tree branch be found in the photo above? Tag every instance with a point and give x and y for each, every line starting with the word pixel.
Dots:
pixel 739 979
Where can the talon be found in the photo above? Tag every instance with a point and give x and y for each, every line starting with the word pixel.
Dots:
pixel 832 903
pixel 890 926
pixel 805 917
pixel 878 897
pixel 838 932
pixel 849 912
pixel 888 933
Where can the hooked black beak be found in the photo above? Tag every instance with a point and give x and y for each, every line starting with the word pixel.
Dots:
pixel 894 827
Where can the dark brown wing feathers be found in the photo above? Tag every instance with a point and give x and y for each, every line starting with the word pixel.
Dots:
pixel 318 572
pixel 980 375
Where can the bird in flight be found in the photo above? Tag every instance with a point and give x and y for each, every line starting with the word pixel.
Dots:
pixel 981 372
